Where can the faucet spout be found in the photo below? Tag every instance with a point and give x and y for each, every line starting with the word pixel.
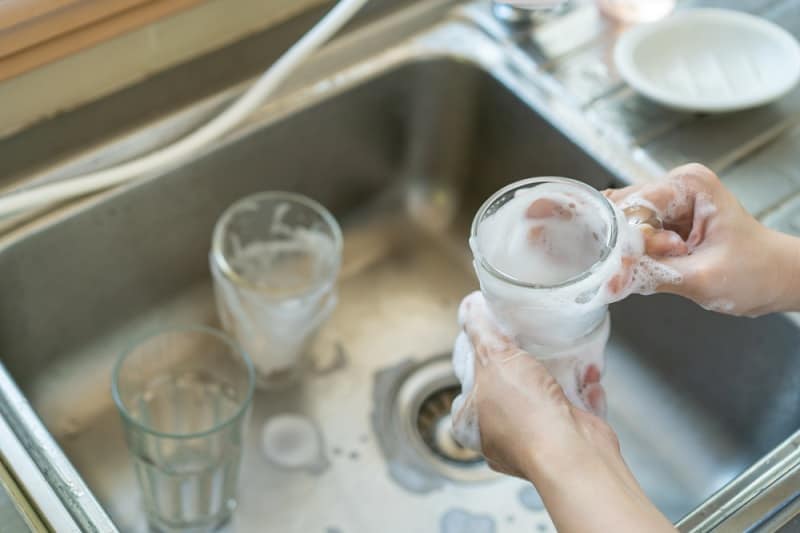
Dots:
pixel 523 12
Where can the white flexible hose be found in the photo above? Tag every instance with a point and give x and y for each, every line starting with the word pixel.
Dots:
pixel 218 126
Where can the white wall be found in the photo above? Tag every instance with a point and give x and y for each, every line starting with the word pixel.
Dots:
pixel 112 65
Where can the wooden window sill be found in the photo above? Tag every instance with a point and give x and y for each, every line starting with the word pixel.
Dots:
pixel 37 32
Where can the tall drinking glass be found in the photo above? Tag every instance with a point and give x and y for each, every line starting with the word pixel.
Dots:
pixel 275 257
pixel 184 396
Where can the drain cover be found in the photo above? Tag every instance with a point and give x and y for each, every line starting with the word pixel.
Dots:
pixel 434 426
pixel 413 421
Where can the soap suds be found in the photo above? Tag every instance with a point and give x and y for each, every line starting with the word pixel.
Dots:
pixel 544 235
pixel 289 293
pixel 553 241
pixel 574 251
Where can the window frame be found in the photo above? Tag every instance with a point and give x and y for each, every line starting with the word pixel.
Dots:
pixel 37 32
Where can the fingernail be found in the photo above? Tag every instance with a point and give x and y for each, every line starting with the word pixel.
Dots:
pixel 641 215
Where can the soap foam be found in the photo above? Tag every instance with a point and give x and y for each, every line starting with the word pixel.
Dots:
pixel 289 293
pixel 553 241
pixel 544 235
pixel 568 258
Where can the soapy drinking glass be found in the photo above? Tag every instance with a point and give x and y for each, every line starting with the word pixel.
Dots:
pixel 184 396
pixel 566 324
pixel 274 259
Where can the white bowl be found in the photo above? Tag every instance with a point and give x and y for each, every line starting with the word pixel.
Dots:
pixel 709 60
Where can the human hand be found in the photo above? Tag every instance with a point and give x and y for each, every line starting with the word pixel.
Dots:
pixel 511 388
pixel 728 261
pixel 529 429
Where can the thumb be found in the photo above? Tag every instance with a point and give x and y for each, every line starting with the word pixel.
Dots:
pixel 485 335
pixel 663 243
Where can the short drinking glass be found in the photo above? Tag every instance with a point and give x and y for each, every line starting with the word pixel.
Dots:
pixel 184 396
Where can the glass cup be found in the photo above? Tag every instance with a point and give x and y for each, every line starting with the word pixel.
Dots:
pixel 184 396
pixel 274 259
pixel 564 324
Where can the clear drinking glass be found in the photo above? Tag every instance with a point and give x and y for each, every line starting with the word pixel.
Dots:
pixel 274 258
pixel 565 324
pixel 184 396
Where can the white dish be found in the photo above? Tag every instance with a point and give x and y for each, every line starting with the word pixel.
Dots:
pixel 709 60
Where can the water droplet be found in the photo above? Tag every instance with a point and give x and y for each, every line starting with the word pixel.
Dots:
pixel 354 455
pixel 530 499
pixel 460 521
pixel 412 478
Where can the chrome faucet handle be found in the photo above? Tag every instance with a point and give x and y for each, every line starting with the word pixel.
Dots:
pixel 524 11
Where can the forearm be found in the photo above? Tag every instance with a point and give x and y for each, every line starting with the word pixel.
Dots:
pixel 593 493
pixel 786 271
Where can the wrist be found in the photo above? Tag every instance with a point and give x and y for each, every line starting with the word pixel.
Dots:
pixel 580 481
pixel 786 248
pixel 560 467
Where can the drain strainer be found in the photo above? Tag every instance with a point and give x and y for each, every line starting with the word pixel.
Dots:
pixel 420 418
pixel 434 426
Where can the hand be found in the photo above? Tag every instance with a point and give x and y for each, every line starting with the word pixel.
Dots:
pixel 728 261
pixel 529 429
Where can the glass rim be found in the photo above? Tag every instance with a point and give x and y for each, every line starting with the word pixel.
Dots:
pixel 227 270
pixel 611 241
pixel 197 328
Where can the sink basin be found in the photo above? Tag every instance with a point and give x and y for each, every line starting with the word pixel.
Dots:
pixel 403 160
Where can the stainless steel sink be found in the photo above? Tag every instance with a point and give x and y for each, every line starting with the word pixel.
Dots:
pixel 402 154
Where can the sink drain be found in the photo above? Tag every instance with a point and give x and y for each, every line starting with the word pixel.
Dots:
pixel 434 426
pixel 414 426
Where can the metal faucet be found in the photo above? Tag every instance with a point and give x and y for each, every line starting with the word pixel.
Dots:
pixel 524 12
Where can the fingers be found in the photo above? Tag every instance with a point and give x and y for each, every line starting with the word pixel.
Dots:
pixel 663 243
pixel 621 281
pixel 486 337
pixel 592 392
pixel 641 215
pixel 700 177
pixel 594 396
pixel 503 469
pixel 544 208
pixel 703 210
pixel 657 196
pixel 592 375
pixel 549 208
pixel 689 268
pixel 674 198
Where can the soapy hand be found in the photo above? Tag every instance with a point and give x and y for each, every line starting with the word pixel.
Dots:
pixel 623 283
pixel 510 386
pixel 529 429
pixel 728 261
